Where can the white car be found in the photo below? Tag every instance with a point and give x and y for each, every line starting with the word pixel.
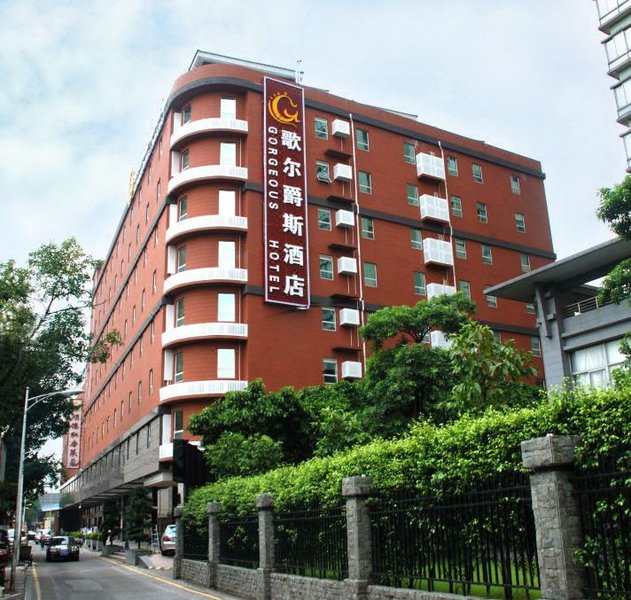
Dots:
pixel 167 541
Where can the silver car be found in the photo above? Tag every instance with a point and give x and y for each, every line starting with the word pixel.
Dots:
pixel 167 541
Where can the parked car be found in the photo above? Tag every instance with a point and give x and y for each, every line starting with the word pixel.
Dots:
pixel 167 541
pixel 62 547
pixel 23 538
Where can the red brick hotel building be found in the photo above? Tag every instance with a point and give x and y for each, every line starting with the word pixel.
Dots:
pixel 267 221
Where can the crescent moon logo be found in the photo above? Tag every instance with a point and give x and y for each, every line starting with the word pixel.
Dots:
pixel 279 106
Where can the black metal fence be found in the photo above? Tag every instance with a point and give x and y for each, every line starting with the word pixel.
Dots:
pixel 239 542
pixel 605 501
pixel 312 542
pixel 481 543
pixel 195 541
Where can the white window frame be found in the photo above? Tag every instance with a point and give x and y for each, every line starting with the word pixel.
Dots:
pixel 329 319
pixel 226 203
pixel 368 228
pixel 324 219
pixel 460 246
pixel 455 203
pixel 487 254
pixel 226 254
pixel 515 185
pixel 372 279
pixel 228 108
pixel 178 367
pixel 329 370
pixel 226 363
pixel 520 222
pixel 419 283
pixel 366 186
pixel 482 211
pixel 321 128
pixel 228 154
pixel 363 139
pixel 323 171
pixel 412 194
pixel 326 267
pixel 182 208
pixel 179 312
pixel 409 153
pixel 416 238
pixel 476 171
pixel 226 307
pixel 452 166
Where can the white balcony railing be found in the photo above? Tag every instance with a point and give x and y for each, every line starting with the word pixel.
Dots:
pixel 205 275
pixel 197 389
pixel 438 289
pixel 206 223
pixel 209 172
pixel 428 165
pixel 193 128
pixel 437 252
pixel 434 208
pixel 200 331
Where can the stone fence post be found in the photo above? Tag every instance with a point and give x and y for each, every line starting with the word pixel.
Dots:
pixel 179 542
pixel 212 510
pixel 265 506
pixel 557 515
pixel 358 535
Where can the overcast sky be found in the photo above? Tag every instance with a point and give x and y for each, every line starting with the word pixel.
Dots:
pixel 83 83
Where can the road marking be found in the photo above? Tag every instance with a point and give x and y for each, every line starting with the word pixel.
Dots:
pixel 167 581
pixel 38 593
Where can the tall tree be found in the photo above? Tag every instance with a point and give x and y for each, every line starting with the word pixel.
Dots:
pixel 43 345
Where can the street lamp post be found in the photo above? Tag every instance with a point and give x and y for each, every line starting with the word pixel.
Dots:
pixel 17 536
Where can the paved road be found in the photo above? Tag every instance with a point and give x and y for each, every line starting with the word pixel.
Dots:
pixel 96 578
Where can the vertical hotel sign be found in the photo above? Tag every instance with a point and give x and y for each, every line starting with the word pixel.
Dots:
pixel 73 458
pixel 285 213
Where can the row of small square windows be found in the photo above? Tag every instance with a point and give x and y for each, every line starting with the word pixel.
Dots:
pixel 362 140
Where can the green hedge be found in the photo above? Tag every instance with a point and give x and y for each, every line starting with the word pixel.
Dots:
pixel 435 459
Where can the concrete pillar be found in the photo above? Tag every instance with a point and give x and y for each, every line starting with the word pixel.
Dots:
pixel 212 510
pixel 179 542
pixel 557 515
pixel 265 507
pixel 358 535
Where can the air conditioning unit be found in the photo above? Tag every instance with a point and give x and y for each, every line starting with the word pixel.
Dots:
pixel 438 289
pixel 346 265
pixel 344 218
pixel 341 128
pixel 349 317
pixel 342 172
pixel 438 339
pixel 434 208
pixel 437 252
pixel 428 165
pixel 351 369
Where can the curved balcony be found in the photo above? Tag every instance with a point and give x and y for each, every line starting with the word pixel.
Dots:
pixel 204 276
pixel 197 389
pixel 206 223
pixel 206 173
pixel 204 331
pixel 200 126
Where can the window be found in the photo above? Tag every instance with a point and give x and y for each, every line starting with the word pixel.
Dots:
pixel 158 192
pixel 515 186
pixel 412 192
pixel 149 435
pixel 520 223
pixel 329 370
pixel 186 114
pixel 129 399
pixel 362 139
pixel 226 306
pixel 226 203
pixel 322 171
pixel 181 259
pixel 321 128
pixel 476 170
pixel 487 255
pixel 491 301
pixel 328 319
pixel 178 368
pixel 324 219
pixel 228 154
pixel 416 239
pixel 184 160
pixel 419 283
pixel 525 262
pixel 178 425
pixel 461 248
pixel 326 267
pixel 465 288
pixel 150 381
pixel 147 213
pixel 143 300
pixel 226 363
pixel 154 282
pixel 226 255
pixel 530 308
pixel 452 165
pixel 370 274
pixel 368 228
pixel 535 345
pixel 594 365
pixel 483 215
pixel 365 182
pixel 182 208
pixel 139 392
pixel 409 153
pixel 228 108
pixel 179 312
pixel 456 206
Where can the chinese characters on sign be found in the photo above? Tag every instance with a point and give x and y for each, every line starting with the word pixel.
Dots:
pixel 74 439
pixel 285 195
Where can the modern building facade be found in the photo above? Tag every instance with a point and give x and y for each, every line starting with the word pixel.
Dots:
pixel 267 221
pixel 615 23
pixel 580 336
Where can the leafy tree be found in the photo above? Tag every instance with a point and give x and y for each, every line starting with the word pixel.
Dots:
pixel 43 341
pixel 489 373
pixel 274 420
pixel 137 515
